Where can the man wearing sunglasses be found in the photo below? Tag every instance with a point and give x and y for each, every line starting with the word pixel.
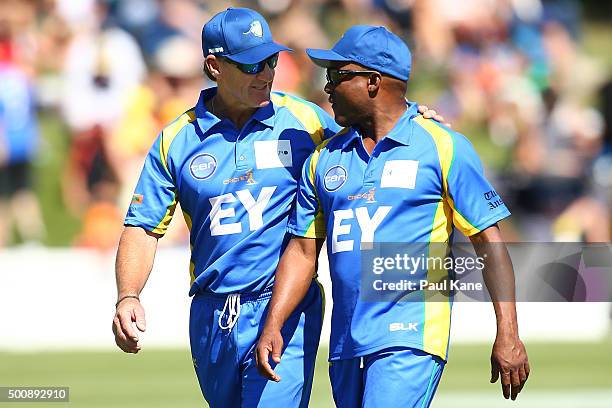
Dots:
pixel 233 163
pixel 390 176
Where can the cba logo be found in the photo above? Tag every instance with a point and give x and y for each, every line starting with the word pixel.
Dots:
pixel 203 166
pixel 334 178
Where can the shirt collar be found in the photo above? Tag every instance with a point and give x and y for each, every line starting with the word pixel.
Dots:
pixel 401 132
pixel 351 136
pixel 265 114
pixel 207 120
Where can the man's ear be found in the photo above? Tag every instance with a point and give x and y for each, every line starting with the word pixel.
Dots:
pixel 374 81
pixel 211 67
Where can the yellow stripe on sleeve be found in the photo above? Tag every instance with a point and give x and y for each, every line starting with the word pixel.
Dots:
pixel 445 146
pixel 162 227
pixel 192 277
pixel 304 113
pixel 436 330
pixel 317 229
pixel 170 132
pixel 168 135
pixel 187 218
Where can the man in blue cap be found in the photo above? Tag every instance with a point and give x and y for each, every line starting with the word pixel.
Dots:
pixel 233 163
pixel 390 176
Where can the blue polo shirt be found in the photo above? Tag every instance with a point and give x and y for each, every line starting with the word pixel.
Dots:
pixel 421 182
pixel 235 187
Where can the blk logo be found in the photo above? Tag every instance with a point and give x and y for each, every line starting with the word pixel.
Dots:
pixel 403 327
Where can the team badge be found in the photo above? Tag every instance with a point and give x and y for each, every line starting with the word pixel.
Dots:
pixel 203 166
pixel 334 178
pixel 255 29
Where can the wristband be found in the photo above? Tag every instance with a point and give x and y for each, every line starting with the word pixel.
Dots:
pixel 127 297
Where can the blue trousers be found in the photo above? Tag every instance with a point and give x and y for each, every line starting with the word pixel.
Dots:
pixel 389 378
pixel 224 358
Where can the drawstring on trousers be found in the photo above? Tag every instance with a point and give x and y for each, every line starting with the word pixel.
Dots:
pixel 232 306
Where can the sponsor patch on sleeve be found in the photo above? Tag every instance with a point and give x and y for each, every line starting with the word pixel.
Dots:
pixel 137 199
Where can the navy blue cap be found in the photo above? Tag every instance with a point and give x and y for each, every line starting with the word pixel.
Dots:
pixel 240 34
pixel 374 47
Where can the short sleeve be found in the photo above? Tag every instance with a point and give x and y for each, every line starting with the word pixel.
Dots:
pixel 307 219
pixel 475 203
pixel 155 197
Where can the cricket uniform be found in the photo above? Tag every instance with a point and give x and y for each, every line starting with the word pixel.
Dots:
pixel 420 182
pixel 236 188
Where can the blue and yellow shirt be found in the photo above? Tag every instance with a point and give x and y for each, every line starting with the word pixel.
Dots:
pixel 235 187
pixel 420 182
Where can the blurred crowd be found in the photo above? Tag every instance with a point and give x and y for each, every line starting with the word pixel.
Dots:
pixel 510 74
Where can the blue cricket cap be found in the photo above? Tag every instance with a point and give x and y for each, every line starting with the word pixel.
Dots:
pixel 374 47
pixel 240 34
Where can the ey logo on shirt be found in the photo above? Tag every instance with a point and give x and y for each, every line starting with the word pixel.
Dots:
pixel 343 223
pixel 223 207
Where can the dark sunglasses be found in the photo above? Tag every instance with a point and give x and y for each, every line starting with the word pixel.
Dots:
pixel 257 67
pixel 335 76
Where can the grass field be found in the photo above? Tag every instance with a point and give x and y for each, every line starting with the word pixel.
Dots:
pixel 563 375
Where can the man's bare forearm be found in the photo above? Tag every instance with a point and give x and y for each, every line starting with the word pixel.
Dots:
pixel 294 275
pixel 134 261
pixel 509 359
pixel 498 277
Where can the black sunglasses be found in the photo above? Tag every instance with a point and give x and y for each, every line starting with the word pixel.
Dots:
pixel 257 67
pixel 335 76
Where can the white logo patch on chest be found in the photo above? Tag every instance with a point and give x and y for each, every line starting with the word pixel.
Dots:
pixel 400 174
pixel 272 153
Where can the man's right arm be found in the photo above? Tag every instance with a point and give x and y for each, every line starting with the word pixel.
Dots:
pixel 294 275
pixel 134 262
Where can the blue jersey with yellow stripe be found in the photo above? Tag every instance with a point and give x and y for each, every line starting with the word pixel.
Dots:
pixel 235 187
pixel 420 182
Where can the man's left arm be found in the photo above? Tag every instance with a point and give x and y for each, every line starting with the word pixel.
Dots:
pixel 476 210
pixel 508 357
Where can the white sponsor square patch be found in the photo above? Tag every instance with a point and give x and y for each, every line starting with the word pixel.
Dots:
pixel 400 174
pixel 273 153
